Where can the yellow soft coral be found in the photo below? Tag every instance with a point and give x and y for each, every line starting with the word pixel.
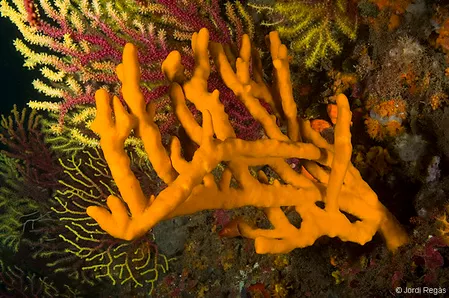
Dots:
pixel 192 187
pixel 443 221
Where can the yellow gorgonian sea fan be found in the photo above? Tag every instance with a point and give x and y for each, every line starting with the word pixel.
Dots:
pixel 314 27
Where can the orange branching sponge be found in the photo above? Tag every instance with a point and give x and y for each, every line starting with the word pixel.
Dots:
pixel 332 112
pixel 191 185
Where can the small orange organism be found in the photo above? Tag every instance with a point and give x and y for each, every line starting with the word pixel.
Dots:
pixel 443 37
pixel 397 8
pixel 385 117
pixel 319 125
pixel 437 99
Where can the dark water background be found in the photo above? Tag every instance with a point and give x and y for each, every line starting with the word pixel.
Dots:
pixel 15 80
